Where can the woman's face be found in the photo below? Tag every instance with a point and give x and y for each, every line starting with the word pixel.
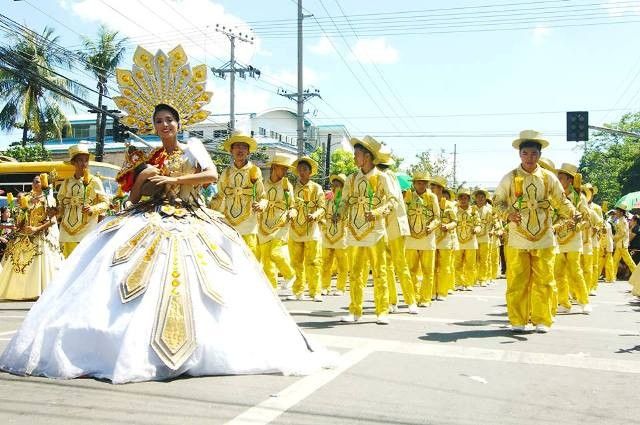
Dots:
pixel 165 124
pixel 36 184
pixel 5 215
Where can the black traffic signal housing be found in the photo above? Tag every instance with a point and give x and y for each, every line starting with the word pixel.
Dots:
pixel 119 131
pixel 578 126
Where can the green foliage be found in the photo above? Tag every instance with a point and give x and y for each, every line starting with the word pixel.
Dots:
pixel 28 153
pixel 611 162
pixel 223 159
pixel 341 162
pixel 436 165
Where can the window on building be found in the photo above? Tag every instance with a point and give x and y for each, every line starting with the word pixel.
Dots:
pixel 262 131
pixel 196 133
pixel 81 131
pixel 220 134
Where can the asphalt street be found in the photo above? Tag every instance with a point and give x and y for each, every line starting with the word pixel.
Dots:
pixel 456 362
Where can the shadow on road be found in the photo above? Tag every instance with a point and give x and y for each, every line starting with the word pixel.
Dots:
pixel 631 350
pixel 475 334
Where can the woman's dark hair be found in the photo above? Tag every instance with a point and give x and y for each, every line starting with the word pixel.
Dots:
pixel 164 107
pixel 531 144
pixel 4 210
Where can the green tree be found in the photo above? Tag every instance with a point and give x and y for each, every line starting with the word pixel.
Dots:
pixel 610 161
pixel 24 83
pixel 222 159
pixel 436 165
pixel 102 56
pixel 28 153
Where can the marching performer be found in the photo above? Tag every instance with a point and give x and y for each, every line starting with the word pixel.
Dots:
pixel 305 236
pixel 525 197
pixel 468 227
pixel 569 273
pixel 621 239
pixel 81 199
pixel 590 239
pixel 423 212
pixel 397 231
pixel 241 190
pixel 605 264
pixel 446 240
pixel 273 228
pixel 369 197
pixel 485 215
pixel 334 238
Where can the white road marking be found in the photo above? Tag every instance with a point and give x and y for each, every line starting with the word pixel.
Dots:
pixel 268 410
pixel 7 333
pixel 11 317
pixel 474 353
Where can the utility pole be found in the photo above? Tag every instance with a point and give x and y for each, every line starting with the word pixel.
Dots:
pixel 327 161
pixel 232 67
pixel 301 96
pixel 455 160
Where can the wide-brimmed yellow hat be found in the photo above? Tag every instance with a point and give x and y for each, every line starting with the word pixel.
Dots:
pixel 569 169
pixel 547 164
pixel 340 177
pixel 421 176
pixel 530 136
pixel 79 149
pixel 308 160
pixel 482 190
pixel 439 180
pixel 464 191
pixel 451 192
pixel 238 137
pixel 369 143
pixel 384 157
pixel 282 159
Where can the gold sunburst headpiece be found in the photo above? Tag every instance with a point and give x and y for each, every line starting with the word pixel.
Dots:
pixel 162 78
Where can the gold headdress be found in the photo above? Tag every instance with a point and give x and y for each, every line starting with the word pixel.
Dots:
pixel 160 79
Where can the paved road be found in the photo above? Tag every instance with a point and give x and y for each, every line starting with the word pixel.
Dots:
pixel 454 363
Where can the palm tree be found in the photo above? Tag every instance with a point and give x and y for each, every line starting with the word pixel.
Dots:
pixel 26 83
pixel 102 56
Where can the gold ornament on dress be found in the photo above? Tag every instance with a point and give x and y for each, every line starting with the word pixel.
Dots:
pixel 162 78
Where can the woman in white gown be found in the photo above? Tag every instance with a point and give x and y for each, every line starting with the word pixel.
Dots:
pixel 33 253
pixel 164 289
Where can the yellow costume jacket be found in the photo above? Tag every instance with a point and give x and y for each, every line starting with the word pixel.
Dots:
pixel 72 196
pixel 485 214
pixel 309 200
pixel 447 239
pixel 335 221
pixel 273 221
pixel 468 226
pixel 423 212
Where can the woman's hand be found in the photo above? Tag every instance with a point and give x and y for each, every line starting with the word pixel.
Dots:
pixel 515 217
pixel 29 230
pixel 160 180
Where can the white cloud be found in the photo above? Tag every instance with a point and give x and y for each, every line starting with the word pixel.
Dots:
pixel 620 8
pixel 322 47
pixel 375 50
pixel 310 77
pixel 540 32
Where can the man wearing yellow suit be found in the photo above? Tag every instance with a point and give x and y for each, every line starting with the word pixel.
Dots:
pixel 81 199
pixel 597 228
pixel 568 265
pixel 241 190
pixel 621 239
pixel 423 212
pixel 305 235
pixel 369 198
pixel 273 228
pixel 525 197
pixel 485 215
pixel 468 227
pixel 334 238
pixel 446 241
pixel 397 231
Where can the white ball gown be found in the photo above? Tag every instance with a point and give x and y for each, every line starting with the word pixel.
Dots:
pixel 157 292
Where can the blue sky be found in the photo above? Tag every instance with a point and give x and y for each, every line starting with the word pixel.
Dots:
pixel 464 79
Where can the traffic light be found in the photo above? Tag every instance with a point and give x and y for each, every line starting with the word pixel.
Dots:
pixel 578 126
pixel 119 131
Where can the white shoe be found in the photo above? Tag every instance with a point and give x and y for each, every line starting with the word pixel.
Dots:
pixel 586 309
pixel 542 329
pixel 562 309
pixel 592 293
pixel 383 319
pixel 424 304
pixel 337 293
pixel 449 292
pixel 457 288
pixel 318 298
pixel 413 309
pixel 299 297
pixel 324 292
pixel 517 328
pixel 393 308
pixel 349 318
pixel 287 284
pixel 467 288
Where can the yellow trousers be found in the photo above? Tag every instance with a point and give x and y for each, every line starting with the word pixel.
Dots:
pixel 482 258
pixel 570 278
pixel 530 286
pixel 252 242
pixel 341 258
pixel 273 259
pixel 422 261
pixel 465 267
pixel 494 263
pixel 586 261
pixel 357 283
pixel 306 261
pixel 595 269
pixel 68 247
pixel 623 254
pixel 606 264
pixel 396 257
pixel 444 272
